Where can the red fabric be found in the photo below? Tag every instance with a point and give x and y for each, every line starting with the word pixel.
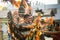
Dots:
pixel 56 36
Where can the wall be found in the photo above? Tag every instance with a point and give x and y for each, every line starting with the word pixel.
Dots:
pixel 57 17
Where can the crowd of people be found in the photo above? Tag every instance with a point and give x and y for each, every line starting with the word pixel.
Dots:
pixel 26 27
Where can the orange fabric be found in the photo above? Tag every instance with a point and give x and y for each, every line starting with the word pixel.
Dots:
pixel 16 3
pixel 51 20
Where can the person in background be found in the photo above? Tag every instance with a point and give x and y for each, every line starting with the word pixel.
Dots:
pixel 56 33
pixel 43 28
pixel 26 26
pixel 9 15
pixel 15 17
pixel 51 20
pixel 27 20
